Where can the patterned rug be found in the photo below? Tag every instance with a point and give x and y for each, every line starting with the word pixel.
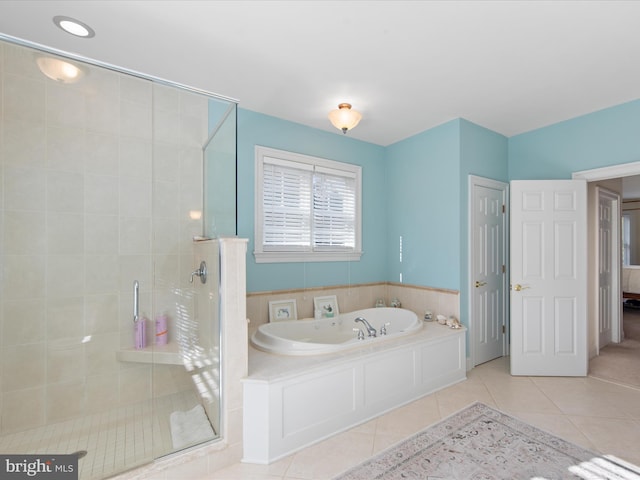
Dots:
pixel 480 443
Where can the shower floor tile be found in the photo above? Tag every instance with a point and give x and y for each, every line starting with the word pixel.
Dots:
pixel 115 441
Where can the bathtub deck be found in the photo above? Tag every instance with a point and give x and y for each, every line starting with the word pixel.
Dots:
pixel 291 402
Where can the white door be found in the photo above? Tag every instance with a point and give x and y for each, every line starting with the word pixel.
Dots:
pixel 549 277
pixel 609 296
pixel 604 269
pixel 488 268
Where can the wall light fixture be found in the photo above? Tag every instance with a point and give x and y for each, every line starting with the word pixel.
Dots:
pixel 62 71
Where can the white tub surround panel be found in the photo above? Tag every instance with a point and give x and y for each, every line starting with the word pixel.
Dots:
pixel 292 402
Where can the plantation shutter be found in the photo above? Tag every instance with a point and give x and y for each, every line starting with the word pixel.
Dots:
pixel 307 208
pixel 286 200
pixel 334 209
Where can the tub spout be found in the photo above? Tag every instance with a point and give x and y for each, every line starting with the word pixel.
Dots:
pixel 367 325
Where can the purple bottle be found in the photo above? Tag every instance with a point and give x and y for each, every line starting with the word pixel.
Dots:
pixel 161 329
pixel 140 333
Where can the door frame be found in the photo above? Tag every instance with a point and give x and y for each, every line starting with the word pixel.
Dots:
pixel 498 185
pixel 599 174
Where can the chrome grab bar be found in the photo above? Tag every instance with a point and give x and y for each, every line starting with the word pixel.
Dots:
pixel 136 300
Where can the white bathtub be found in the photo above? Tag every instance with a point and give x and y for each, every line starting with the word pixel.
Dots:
pixel 312 337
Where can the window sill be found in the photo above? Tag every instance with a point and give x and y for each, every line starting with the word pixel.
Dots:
pixel 297 257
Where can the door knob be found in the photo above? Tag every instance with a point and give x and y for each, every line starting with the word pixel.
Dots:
pixel 480 284
pixel 517 287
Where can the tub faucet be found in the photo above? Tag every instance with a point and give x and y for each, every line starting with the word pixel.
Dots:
pixel 367 325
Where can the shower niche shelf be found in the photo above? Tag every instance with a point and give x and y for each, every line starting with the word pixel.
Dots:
pixel 160 354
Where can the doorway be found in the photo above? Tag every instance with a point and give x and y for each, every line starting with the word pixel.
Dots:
pixel 592 177
pixel 596 322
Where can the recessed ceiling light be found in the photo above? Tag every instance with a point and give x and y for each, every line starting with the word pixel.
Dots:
pixel 74 27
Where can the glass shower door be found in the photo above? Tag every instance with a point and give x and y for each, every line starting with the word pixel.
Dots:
pixel 102 186
pixel 185 371
pixel 76 229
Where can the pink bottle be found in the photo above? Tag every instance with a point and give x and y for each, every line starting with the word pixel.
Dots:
pixel 161 330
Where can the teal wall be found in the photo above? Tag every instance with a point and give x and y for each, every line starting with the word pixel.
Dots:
pixel 257 129
pixel 428 203
pixel 423 206
pixel 418 189
pixel 603 138
pixel 415 189
pixel 483 152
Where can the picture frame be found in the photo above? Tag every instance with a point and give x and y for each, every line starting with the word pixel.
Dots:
pixel 328 305
pixel 280 310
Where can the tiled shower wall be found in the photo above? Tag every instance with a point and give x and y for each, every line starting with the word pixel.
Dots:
pixel 101 184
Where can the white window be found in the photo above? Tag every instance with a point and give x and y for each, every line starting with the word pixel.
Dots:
pixel 307 208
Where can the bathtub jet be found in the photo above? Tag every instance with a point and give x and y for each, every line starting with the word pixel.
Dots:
pixel 328 335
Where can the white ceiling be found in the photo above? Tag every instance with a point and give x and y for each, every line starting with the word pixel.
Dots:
pixel 511 66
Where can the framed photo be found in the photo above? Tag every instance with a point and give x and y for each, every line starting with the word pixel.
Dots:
pixel 327 305
pixel 282 310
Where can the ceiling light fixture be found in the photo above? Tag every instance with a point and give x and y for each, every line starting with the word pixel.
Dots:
pixel 59 70
pixel 74 27
pixel 344 118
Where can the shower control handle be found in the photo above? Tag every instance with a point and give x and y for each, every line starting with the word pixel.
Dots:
pixel 383 329
pixel 200 272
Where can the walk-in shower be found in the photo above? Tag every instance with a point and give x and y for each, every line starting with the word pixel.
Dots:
pixel 102 189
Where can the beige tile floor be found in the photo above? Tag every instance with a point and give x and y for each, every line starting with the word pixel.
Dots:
pixel 597 415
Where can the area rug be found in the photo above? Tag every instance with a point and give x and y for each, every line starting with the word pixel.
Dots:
pixel 481 443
